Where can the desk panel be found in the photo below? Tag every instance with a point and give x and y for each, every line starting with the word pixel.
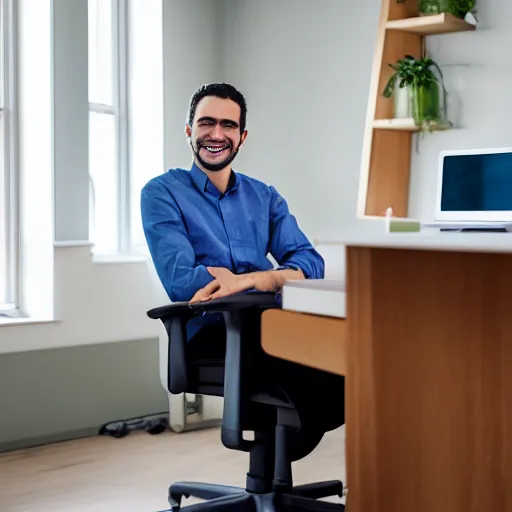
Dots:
pixel 311 340
pixel 429 386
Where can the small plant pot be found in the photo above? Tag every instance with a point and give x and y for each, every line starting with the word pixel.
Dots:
pixel 425 104
pixel 402 102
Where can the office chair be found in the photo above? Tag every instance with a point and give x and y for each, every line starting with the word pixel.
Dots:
pixel 252 402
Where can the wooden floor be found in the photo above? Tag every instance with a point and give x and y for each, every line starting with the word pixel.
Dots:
pixel 132 474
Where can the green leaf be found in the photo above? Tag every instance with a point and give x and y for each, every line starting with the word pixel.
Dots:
pixel 390 86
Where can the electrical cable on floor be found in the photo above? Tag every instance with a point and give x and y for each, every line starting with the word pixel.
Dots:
pixel 153 424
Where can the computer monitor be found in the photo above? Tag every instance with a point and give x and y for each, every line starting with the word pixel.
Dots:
pixel 475 185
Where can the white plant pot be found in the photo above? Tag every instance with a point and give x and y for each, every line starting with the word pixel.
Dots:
pixel 402 102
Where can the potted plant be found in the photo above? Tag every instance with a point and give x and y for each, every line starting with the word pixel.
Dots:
pixel 458 8
pixel 419 78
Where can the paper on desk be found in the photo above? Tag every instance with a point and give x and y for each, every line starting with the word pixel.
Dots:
pixel 318 284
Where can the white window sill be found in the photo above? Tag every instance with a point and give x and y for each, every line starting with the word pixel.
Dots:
pixel 8 321
pixel 118 258
pixel 106 258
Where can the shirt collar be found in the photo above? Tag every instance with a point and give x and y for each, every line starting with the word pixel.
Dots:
pixel 203 183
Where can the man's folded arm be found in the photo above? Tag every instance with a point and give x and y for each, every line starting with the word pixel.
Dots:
pixel 288 244
pixel 171 251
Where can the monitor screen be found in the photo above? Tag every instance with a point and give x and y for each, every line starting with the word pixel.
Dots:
pixel 477 182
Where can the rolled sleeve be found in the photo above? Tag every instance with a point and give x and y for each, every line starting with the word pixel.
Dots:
pixel 288 244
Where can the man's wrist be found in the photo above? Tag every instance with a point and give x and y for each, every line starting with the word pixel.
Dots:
pixel 287 274
pixel 247 280
pixel 278 277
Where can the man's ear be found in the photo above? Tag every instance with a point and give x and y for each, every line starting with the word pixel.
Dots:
pixel 243 137
pixel 188 131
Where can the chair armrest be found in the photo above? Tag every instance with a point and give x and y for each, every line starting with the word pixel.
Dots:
pixel 171 310
pixel 232 303
pixel 237 302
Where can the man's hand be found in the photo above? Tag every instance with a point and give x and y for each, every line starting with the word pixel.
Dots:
pixel 226 283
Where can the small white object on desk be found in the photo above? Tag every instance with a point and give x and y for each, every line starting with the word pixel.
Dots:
pixel 315 296
pixel 401 224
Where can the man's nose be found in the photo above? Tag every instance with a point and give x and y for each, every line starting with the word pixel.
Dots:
pixel 217 132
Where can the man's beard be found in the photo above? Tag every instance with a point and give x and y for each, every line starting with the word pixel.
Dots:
pixel 218 166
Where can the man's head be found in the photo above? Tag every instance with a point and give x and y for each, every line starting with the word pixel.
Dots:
pixel 216 125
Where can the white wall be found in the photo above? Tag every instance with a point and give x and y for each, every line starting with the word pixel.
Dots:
pixel 193 57
pixel 307 80
pixel 94 303
pixel 478 75
pixel 304 66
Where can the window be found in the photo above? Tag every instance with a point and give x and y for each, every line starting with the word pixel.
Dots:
pixel 8 189
pixel 108 126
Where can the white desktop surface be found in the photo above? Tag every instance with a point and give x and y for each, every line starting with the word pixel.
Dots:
pixel 372 233
pixel 324 297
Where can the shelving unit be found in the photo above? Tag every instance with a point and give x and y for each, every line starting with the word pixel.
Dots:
pixel 406 124
pixel 386 158
pixel 430 25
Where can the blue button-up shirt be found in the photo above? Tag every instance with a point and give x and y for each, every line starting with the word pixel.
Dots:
pixel 189 225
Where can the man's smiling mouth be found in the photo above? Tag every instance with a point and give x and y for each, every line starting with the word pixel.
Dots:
pixel 215 149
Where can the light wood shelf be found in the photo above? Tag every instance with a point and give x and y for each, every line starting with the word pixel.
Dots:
pixel 431 25
pixel 406 124
pixel 386 156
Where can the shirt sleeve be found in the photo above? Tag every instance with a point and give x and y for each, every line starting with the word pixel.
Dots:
pixel 169 246
pixel 288 244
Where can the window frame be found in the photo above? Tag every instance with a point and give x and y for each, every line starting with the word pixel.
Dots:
pixel 119 109
pixel 9 112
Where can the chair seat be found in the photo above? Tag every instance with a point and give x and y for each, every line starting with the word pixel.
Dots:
pixel 272 399
pixel 206 376
pixel 209 373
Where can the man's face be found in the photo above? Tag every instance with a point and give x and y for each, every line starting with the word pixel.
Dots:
pixel 215 135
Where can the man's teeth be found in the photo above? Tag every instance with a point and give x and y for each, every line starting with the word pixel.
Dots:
pixel 212 149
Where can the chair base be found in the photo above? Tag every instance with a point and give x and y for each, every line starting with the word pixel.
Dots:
pixel 225 498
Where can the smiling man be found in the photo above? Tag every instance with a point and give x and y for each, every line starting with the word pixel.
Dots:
pixel 210 229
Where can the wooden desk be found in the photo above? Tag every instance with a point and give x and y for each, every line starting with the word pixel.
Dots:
pixel 427 353
pixel 310 340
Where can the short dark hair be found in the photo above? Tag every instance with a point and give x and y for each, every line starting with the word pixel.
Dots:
pixel 221 90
